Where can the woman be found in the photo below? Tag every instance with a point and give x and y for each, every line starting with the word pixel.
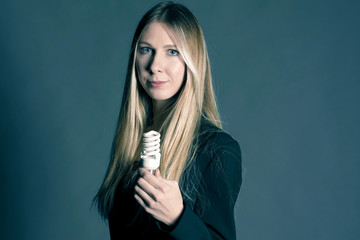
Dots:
pixel 169 89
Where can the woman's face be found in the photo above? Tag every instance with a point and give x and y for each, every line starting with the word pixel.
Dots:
pixel 159 66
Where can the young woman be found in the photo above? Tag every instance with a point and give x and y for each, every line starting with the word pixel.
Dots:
pixel 169 89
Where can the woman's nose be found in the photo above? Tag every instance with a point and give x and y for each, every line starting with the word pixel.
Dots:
pixel 156 63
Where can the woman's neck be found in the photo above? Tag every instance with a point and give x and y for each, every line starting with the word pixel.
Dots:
pixel 159 113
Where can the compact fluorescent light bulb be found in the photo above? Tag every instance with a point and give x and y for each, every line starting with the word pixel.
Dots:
pixel 150 154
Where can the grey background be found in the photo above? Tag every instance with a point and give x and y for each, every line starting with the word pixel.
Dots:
pixel 287 80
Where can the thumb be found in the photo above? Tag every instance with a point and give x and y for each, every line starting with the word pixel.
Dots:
pixel 157 173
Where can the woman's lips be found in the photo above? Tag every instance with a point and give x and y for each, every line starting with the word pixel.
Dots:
pixel 157 83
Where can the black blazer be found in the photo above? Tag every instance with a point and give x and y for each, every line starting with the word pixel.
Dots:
pixel 215 173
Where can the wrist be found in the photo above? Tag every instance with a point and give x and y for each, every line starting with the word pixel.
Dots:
pixel 168 227
pixel 177 216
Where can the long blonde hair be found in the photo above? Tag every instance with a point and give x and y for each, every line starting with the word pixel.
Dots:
pixel 195 100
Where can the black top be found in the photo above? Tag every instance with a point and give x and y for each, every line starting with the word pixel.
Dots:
pixel 215 173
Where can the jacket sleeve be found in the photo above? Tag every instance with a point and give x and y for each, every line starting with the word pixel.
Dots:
pixel 220 186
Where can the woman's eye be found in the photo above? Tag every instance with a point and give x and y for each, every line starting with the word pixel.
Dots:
pixel 173 52
pixel 145 50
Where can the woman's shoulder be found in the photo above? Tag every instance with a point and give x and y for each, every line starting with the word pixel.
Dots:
pixel 214 138
pixel 219 155
pixel 216 147
pixel 215 152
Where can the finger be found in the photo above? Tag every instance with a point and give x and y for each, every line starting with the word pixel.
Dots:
pixel 139 200
pixel 147 187
pixel 147 200
pixel 151 179
pixel 142 203
pixel 157 173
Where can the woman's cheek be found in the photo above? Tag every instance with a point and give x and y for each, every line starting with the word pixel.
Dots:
pixel 179 69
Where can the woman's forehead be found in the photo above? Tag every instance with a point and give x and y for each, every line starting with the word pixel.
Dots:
pixel 158 33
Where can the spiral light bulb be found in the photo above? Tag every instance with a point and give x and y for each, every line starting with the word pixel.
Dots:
pixel 150 154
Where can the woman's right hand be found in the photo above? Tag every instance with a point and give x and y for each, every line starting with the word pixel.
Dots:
pixel 159 197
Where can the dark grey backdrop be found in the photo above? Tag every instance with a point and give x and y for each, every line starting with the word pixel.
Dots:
pixel 287 79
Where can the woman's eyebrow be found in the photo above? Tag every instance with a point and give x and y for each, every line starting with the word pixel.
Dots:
pixel 166 46
pixel 145 43
pixel 170 46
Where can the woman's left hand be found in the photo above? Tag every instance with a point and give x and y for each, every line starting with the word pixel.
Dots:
pixel 159 197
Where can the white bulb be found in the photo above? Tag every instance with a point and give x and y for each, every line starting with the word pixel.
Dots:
pixel 150 154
